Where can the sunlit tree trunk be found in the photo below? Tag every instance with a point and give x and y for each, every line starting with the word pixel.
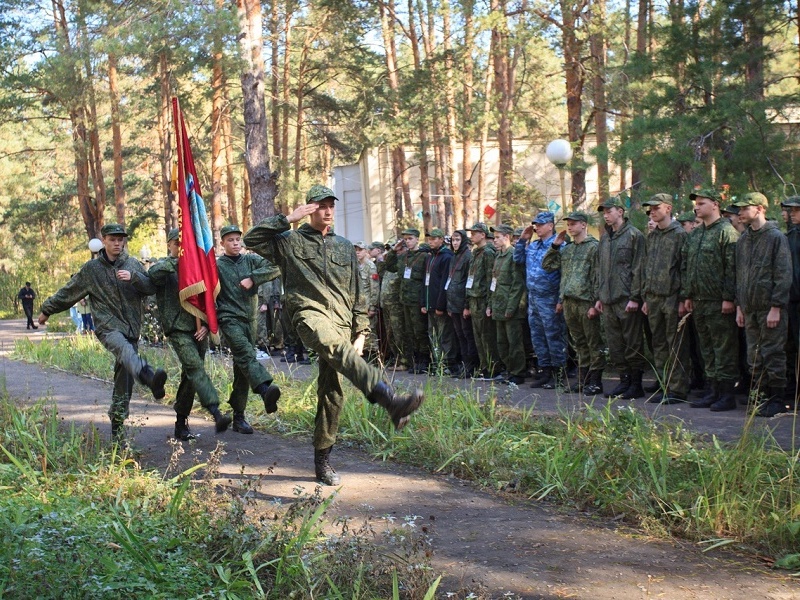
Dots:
pixel 116 138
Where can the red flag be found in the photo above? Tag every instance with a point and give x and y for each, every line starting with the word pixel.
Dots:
pixel 489 211
pixel 198 281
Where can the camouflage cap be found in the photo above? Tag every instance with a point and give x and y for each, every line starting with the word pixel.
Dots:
pixel 752 199
pixel 615 202
pixel 376 246
pixel 657 199
pixel 229 229
pixel 577 216
pixel 173 234
pixel 518 231
pixel 544 217
pixel 502 228
pixel 391 242
pixel 709 193
pixel 318 193
pixel 409 231
pixel 435 233
pixel 686 217
pixel 360 245
pixel 731 209
pixel 791 201
pixel 480 228
pixel 113 229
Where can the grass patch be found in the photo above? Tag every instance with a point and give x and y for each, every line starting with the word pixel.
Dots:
pixel 616 462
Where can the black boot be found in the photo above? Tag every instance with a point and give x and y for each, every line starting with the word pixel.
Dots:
pixel 594 383
pixel 634 390
pixel 726 400
pixel 270 393
pixel 421 365
pixel 775 404
pixel 325 472
pixel 558 381
pixel 155 380
pixel 240 425
pixel 118 435
pixel 622 386
pixel 652 388
pixel 290 356
pixel 182 431
pixel 710 396
pixel 221 422
pixel 399 406
pixel 545 375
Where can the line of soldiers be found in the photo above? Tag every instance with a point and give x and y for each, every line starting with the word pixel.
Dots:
pixel 694 289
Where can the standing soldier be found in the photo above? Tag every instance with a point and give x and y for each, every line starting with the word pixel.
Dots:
pixel 663 306
pixel 371 285
pixel 392 310
pixel 410 268
pixel 326 305
pixel 457 303
pixel 116 285
pixel 479 277
pixel 792 206
pixel 763 280
pixel 434 302
pixel 507 305
pixel 189 338
pixel 239 278
pixel 708 277
pixel 576 299
pixel 619 297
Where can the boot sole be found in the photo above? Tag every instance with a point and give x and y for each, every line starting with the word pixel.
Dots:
pixel 238 429
pixel 222 425
pixel 159 379
pixel 401 419
pixel 271 397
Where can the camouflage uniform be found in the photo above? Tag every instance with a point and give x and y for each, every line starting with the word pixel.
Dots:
pixel 117 307
pixel 392 313
pixel 479 277
pixel 507 301
pixel 434 298
pixel 370 282
pixel 236 312
pixel 410 269
pixel 269 295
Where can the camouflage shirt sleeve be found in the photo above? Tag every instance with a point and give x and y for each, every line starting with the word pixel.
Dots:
pixel 728 241
pixel 637 263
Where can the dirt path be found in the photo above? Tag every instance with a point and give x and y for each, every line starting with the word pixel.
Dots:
pixel 504 544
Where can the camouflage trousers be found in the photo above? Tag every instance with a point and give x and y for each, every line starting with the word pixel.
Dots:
pixel 485 333
pixel 670 343
pixel 510 346
pixel 393 322
pixel 548 334
pixel 414 335
pixel 248 373
pixel 586 334
pixel 194 379
pixel 127 366
pixel 719 340
pixel 766 348
pixel 336 357
pixel 625 337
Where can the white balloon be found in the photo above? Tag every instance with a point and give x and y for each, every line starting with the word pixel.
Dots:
pixel 95 245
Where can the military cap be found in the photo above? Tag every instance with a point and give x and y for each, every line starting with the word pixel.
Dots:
pixel 544 217
pixel 731 209
pixel 686 217
pixel 506 229
pixel 113 229
pixel 657 199
pixel 361 245
pixel 435 232
pixel 414 232
pixel 480 227
pixel 578 216
pixel 390 242
pixel 318 193
pixel 752 199
pixel 376 246
pixel 173 234
pixel 615 202
pixel 518 231
pixel 229 229
pixel 791 201
pixel 706 193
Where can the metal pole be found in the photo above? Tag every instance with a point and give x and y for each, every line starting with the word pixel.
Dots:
pixel 563 192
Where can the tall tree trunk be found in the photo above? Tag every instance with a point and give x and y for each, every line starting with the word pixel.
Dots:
pixel 217 132
pixel 484 144
pixel 116 138
pixel 503 92
pixel 456 213
pixel 574 84
pixel 598 48
pixel 164 137
pixel 263 182
pixel 642 44
pixel 468 96
pixel 230 181
pixel 275 119
pixel 286 86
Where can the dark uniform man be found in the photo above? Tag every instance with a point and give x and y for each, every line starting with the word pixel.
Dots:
pixel 327 306
pixel 663 306
pixel 239 278
pixel 434 301
pixel 708 277
pixel 189 338
pixel 455 286
pixel 577 297
pixel 116 284
pixel 763 279
pixel 792 206
pixel 507 306
pixel 479 277
pixel 619 293
pixel 26 296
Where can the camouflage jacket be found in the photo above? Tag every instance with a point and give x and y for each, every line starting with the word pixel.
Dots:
pixel 320 273
pixel 578 263
pixel 619 264
pixel 661 269
pixel 763 268
pixel 793 237
pixel 456 284
pixel 508 300
pixel 410 269
pixel 708 263
pixel 479 273
pixel 172 316
pixel 116 305
pixel 234 302
pixel 370 282
pixel 390 289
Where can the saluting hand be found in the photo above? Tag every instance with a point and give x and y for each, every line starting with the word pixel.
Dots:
pixel 301 212
pixel 560 238
pixel 358 344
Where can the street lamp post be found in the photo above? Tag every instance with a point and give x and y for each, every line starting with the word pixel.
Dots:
pixel 559 152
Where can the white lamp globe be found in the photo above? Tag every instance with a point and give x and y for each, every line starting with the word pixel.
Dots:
pixel 559 152
pixel 95 245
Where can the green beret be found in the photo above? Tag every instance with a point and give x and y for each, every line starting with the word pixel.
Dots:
pixel 229 229
pixel 318 193
pixel 113 229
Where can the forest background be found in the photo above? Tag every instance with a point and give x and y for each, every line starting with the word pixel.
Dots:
pixel 677 94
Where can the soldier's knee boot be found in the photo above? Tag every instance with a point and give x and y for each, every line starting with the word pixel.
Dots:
pixel 726 399
pixel 221 422
pixel 240 425
pixel 155 380
pixel 270 393
pixel 622 386
pixel 775 404
pixel 710 396
pixel 182 431
pixel 594 383
pixel 322 467
pixel 634 390
pixel 399 406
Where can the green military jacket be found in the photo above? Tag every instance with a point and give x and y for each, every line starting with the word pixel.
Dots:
pixel 619 265
pixel 370 282
pixel 661 268
pixel 578 263
pixel 390 289
pixel 508 300
pixel 116 305
pixel 410 269
pixel 763 269
pixel 233 302
pixel 456 284
pixel 173 317
pixel 708 263
pixel 479 273
pixel 320 273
